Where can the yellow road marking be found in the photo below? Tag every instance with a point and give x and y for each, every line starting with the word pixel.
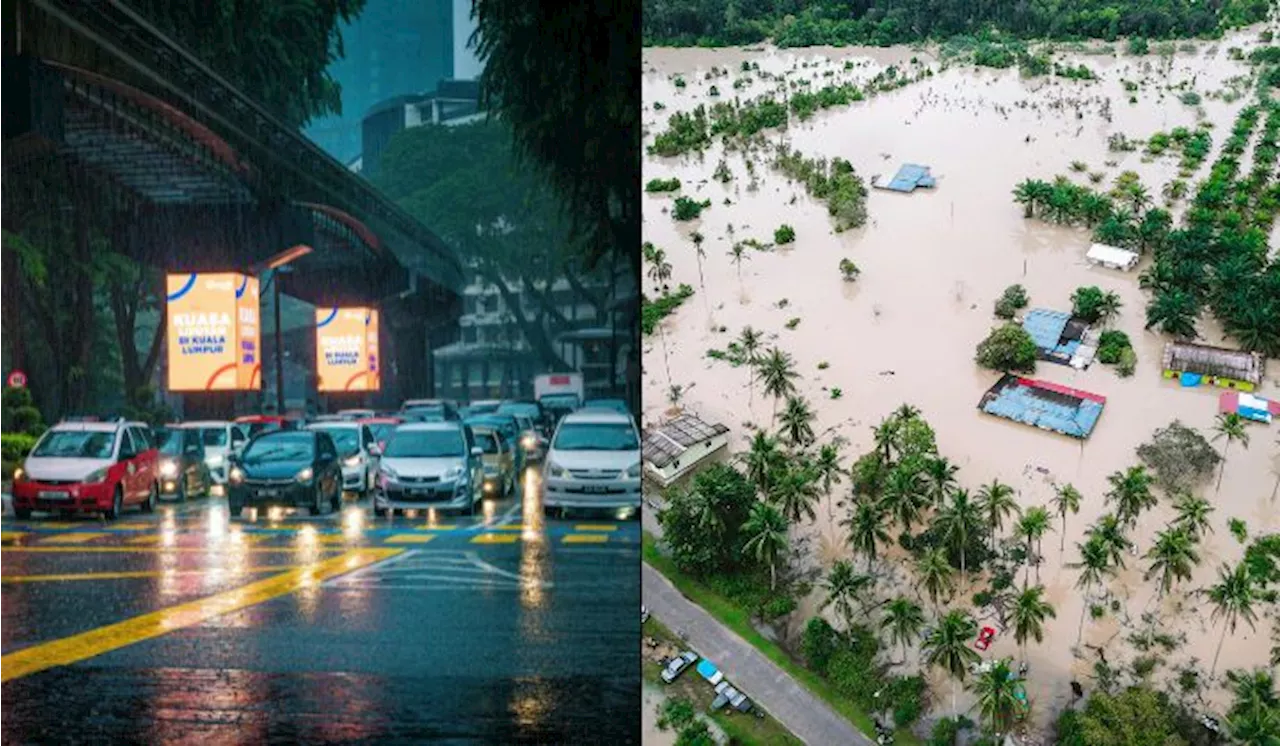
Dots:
pixel 182 550
pixel 585 539
pixel 595 527
pixel 150 539
pixel 121 634
pixel 12 535
pixel 137 574
pixel 505 528
pixel 437 527
pixel 61 524
pixel 133 526
pixel 79 537
pixel 408 539
pixel 333 539
pixel 495 539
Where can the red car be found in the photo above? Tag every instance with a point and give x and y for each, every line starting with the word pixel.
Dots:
pixel 89 467
pixel 253 425
pixel 381 427
pixel 984 638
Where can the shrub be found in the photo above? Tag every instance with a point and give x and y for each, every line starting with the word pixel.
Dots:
pixel 848 270
pixel 697 733
pixel 946 732
pixel 793 322
pixel 653 312
pixel 818 643
pixel 1088 303
pixel 27 420
pixel 1139 46
pixel 1179 456
pixel 662 185
pixel 677 713
pixel 14 447
pixel 784 234
pixel 1007 348
pixel 1011 301
pixel 906 694
pixel 1110 346
pixel 777 607
pixel 1128 362
pixel 689 209
pixel 1190 98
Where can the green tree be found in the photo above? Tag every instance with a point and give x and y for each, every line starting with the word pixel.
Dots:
pixel 939 476
pixel 778 375
pixel 1137 716
pixel 1032 194
pixel 1094 305
pixel 1066 499
pixel 659 268
pixel 701 526
pixel 998 703
pixel 1254 718
pixel 903 619
pixel 766 538
pixel 763 461
pixel 957 523
pixel 1193 515
pixel 996 503
pixel 1032 528
pixel 1110 531
pixel 1029 613
pixel 866 524
pixel 935 574
pixel 795 491
pixel 749 341
pixel 1131 493
pixel 1233 598
pixel 738 254
pixel 843 587
pixel 1008 348
pixel 1173 556
pixel 828 471
pixel 947 647
pixel 797 421
pixel 1174 312
pixel 1094 565
pixel 903 496
pixel 1231 426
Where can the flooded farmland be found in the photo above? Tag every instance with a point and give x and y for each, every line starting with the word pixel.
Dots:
pixel 932 264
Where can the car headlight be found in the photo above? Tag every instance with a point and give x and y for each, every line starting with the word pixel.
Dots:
pixel 556 470
pixel 168 469
pixel 529 442
pixel 236 476
pixel 305 475
pixel 19 474
pixel 97 477
pixel 351 461
pixel 454 473
pixel 634 470
pixel 215 460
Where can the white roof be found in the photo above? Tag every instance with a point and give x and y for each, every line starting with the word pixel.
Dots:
pixel 1101 252
pixel 94 427
pixel 205 424
pixel 598 416
pixel 334 425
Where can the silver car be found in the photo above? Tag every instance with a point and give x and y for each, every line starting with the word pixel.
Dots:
pixel 430 465
pixel 593 462
pixel 677 665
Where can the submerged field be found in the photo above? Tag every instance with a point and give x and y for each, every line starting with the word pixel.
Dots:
pixel 932 264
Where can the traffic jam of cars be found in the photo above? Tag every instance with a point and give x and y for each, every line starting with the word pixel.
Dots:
pixel 428 454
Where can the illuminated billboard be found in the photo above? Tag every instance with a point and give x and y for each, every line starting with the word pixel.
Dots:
pixel 213 332
pixel 347 350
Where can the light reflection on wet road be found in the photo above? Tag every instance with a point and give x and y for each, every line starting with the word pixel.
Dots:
pixel 185 627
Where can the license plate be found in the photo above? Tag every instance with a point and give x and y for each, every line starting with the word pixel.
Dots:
pixel 596 488
pixel 268 493
pixel 53 495
pixel 421 493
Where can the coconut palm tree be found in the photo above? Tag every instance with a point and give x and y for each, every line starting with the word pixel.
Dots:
pixel 659 268
pixel 1110 532
pixel 749 341
pixel 1254 718
pixel 763 460
pixel 947 647
pixel 1233 597
pixel 903 496
pixel 998 702
pixel 868 475
pixel 1030 611
pixel 828 472
pixel 795 491
pixel 995 502
pixel 906 412
pixel 1193 515
pixel 1031 528
pixel 957 523
pixel 844 587
pixel 867 530
pixel 1174 312
pixel 1094 565
pixel 886 436
pixel 1131 493
pixel 766 533
pixel 1095 208
pixel 1231 426
pixel 1032 194
pixel 1066 499
pixel 700 253
pixel 797 421
pixel 738 254
pixel 935 574
pixel 1108 307
pixel 939 476
pixel 1173 556
pixel 778 374
pixel 903 619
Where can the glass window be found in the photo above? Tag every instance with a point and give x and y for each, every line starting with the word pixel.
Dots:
pixel 366 435
pixel 345 439
pixel 75 444
pixel 596 436
pixel 425 444
pixel 490 442
pixel 214 436
pixel 142 439
pixel 280 447
pixel 169 442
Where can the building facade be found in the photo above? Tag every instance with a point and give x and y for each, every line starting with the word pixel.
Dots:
pixel 452 102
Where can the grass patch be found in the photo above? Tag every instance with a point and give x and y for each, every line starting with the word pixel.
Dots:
pixel 745 729
pixel 738 620
pixel 653 312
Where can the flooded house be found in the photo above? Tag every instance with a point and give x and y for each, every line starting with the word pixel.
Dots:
pixel 1196 365
pixel 679 446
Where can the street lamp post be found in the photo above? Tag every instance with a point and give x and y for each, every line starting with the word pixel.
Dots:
pixel 275 293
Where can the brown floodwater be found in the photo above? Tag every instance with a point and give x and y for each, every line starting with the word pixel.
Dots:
pixel 933 263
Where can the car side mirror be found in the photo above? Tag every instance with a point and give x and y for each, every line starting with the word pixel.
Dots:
pixel 477 451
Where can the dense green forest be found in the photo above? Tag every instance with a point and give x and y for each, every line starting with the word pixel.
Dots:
pixel 795 23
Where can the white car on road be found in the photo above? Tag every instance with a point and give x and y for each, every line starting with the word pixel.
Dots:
pixel 221 439
pixel 357 452
pixel 593 462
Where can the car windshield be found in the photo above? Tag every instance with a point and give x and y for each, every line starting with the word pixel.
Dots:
pixel 616 405
pixel 505 426
pixel 523 410
pixel 280 448
pixel 596 436
pixel 346 439
pixel 383 431
pixel 169 442
pixel 488 440
pixel 426 444
pixel 213 436
pixel 76 444
pixel 483 407
pixel 560 401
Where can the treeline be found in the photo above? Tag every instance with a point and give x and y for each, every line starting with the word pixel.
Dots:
pixel 792 23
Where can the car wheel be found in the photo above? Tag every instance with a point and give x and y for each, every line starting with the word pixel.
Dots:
pixel 117 506
pixel 152 496
pixel 22 514
pixel 551 511
pixel 336 501
pixel 317 501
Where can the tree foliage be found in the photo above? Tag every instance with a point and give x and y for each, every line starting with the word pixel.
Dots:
pixel 1138 716
pixel 1179 456
pixel 702 526
pixel 1008 348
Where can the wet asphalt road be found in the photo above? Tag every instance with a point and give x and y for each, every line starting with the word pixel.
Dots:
pixel 186 627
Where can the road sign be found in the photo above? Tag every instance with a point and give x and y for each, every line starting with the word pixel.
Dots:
pixel 17 379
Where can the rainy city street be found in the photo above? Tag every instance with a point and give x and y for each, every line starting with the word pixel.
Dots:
pixel 184 626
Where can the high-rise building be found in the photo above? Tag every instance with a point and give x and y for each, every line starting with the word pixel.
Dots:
pixel 393 48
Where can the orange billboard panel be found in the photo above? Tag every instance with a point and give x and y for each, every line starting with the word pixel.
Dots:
pixel 347 350
pixel 213 332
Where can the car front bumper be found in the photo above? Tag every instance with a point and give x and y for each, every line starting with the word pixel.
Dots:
pixel 562 492
pixel 398 496
pixel 33 495
pixel 294 495
pixel 355 478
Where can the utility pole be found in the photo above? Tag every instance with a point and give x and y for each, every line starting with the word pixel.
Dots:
pixel 275 292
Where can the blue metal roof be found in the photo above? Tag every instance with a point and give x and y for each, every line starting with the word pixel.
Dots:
pixel 910 176
pixel 1045 326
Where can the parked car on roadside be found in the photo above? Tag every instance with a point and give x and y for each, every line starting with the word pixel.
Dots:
pixel 677 666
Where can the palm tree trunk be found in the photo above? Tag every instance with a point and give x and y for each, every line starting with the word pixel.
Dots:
pixel 1083 611
pixel 1062 546
pixel 1223 470
pixel 773 576
pixel 1276 488
pixel 1218 652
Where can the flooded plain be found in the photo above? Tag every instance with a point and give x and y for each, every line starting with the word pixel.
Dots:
pixel 932 264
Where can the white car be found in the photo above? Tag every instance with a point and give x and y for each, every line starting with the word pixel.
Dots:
pixel 358 453
pixel 677 665
pixel 430 465
pixel 221 439
pixel 593 462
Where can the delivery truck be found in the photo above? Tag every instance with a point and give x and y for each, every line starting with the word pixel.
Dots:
pixel 558 393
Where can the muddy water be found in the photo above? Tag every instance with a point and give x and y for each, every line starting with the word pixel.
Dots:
pixel 933 264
